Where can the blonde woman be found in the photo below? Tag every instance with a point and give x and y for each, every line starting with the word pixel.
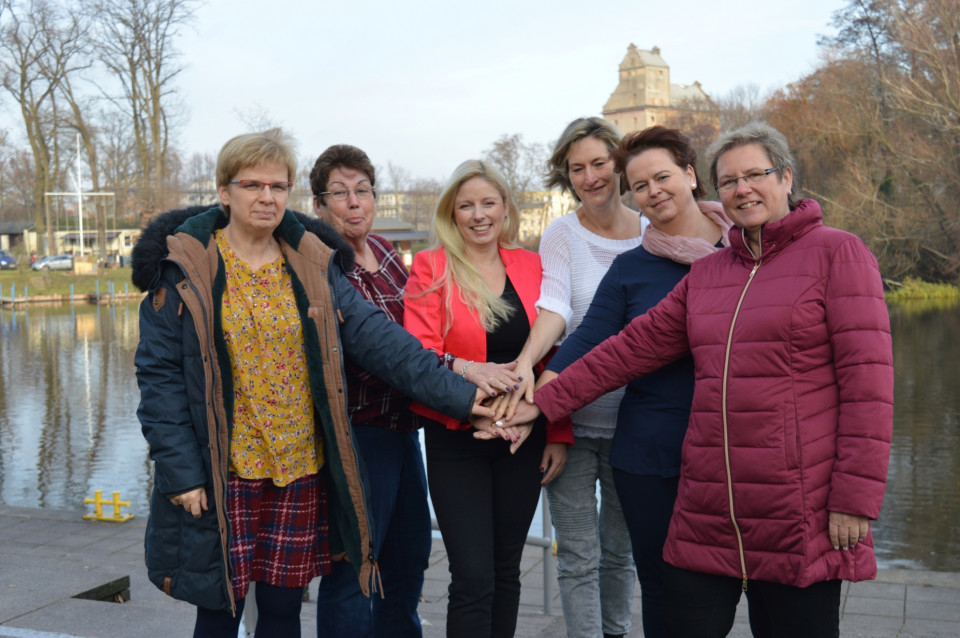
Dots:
pixel 471 299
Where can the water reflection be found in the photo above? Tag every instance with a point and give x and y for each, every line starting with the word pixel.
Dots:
pixel 920 524
pixel 68 425
pixel 68 402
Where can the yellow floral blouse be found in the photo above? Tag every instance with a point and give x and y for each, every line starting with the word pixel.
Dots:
pixel 273 424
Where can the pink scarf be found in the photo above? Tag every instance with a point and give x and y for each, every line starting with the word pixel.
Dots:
pixel 686 250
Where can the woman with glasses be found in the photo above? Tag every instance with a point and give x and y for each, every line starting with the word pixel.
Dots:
pixel 595 568
pixel 471 299
pixel 343 181
pixel 243 337
pixel 785 457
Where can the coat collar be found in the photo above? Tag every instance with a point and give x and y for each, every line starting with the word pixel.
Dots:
pixel 201 221
pixel 777 235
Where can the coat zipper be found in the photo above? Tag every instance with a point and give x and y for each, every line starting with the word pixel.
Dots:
pixel 222 468
pixel 726 434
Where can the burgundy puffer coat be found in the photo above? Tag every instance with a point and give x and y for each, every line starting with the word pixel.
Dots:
pixel 793 403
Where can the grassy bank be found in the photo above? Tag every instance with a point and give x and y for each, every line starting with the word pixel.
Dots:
pixel 58 282
pixel 915 290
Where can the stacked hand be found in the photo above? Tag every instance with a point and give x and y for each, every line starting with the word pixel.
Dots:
pixel 493 378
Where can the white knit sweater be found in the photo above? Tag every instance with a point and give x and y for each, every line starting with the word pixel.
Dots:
pixel 574 261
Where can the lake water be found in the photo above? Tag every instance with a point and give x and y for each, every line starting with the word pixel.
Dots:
pixel 68 424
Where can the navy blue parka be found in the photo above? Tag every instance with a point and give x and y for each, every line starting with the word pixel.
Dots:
pixel 186 405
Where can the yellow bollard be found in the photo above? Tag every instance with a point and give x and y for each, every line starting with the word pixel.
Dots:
pixel 98 504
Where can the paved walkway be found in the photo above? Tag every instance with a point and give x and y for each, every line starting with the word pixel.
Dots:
pixel 49 558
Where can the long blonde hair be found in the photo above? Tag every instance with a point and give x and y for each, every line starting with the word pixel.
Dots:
pixel 488 307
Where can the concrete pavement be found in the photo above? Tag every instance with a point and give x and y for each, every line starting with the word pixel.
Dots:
pixel 53 562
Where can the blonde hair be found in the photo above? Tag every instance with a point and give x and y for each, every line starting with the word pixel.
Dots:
pixel 255 149
pixel 489 308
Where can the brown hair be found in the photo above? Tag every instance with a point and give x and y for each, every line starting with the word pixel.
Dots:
pixel 339 156
pixel 558 169
pixel 670 140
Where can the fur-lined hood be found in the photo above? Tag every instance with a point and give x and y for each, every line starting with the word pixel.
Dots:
pixel 201 221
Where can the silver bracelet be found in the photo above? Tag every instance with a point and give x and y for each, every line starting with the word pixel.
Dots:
pixel 463 370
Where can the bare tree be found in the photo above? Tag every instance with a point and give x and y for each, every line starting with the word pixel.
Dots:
pixel 40 47
pixel 20 178
pixel 877 136
pixel 118 165
pixel 522 164
pixel 743 104
pixel 80 108
pixel 420 202
pixel 137 46
pixel 256 118
pixel 199 178
pixel 399 180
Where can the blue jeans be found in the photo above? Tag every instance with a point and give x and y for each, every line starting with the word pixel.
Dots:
pixel 594 558
pixel 397 503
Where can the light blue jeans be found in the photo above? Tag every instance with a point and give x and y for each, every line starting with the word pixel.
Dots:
pixel 594 557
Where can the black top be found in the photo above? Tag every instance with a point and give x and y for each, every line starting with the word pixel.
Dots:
pixel 506 341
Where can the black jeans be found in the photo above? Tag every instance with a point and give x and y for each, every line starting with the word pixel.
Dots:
pixel 697 605
pixel 484 499
pixel 647 503
pixel 278 615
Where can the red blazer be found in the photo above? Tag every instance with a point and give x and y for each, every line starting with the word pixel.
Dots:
pixel 427 319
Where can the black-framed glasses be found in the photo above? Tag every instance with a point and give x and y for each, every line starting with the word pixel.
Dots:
pixel 729 184
pixel 340 194
pixel 255 186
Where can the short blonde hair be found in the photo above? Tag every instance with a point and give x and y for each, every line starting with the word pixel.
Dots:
pixel 256 149
pixel 488 306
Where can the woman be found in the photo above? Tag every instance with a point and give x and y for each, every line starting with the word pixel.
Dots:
pixel 596 573
pixel 239 365
pixel 343 181
pixel 658 166
pixel 785 458
pixel 471 299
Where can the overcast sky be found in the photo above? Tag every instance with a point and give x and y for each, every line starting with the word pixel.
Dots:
pixel 426 84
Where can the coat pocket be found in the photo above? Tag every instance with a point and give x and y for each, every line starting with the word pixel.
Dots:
pixel 791 436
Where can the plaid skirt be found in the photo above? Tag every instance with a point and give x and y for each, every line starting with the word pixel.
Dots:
pixel 279 535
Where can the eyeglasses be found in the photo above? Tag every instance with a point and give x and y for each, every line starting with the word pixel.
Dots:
pixel 729 184
pixel 254 186
pixel 340 194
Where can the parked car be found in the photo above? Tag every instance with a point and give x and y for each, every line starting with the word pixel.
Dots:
pixel 54 262
pixel 7 261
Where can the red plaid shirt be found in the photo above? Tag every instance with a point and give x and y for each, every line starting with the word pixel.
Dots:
pixel 370 401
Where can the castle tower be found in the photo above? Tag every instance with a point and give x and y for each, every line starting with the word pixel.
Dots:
pixel 645 96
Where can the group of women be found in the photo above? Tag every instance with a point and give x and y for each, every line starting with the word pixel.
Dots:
pixel 281 395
